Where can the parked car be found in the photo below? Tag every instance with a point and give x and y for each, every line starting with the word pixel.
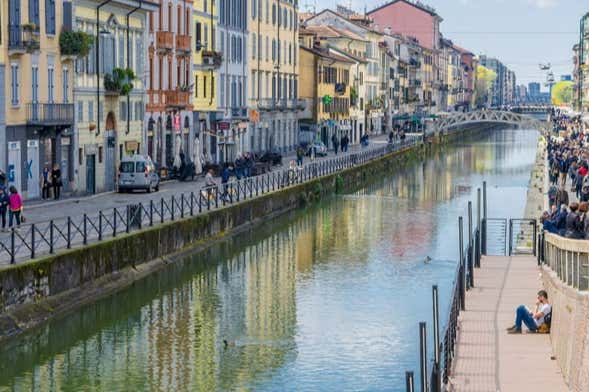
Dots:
pixel 320 149
pixel 137 172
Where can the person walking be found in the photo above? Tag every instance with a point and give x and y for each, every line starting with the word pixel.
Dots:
pixel 56 181
pixel 4 204
pixel 300 155
pixel 45 182
pixel 225 176
pixel 15 203
pixel 335 142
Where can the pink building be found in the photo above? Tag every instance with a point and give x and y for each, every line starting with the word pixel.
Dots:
pixel 469 63
pixel 411 20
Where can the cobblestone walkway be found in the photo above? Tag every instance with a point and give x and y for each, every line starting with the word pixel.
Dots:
pixel 490 360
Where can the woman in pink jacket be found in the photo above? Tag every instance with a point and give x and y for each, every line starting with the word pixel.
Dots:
pixel 15 202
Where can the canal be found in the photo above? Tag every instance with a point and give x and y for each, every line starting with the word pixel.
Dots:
pixel 326 299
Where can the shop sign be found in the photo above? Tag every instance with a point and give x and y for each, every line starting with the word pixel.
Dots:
pixel 223 125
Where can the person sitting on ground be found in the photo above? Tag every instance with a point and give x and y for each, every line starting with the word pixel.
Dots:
pixel 533 320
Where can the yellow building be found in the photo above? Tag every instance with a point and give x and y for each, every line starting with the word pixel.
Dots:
pixel 207 60
pixel 109 117
pixel 274 70
pixel 38 106
pixel 325 87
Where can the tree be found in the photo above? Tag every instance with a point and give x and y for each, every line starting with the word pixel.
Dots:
pixel 485 79
pixel 562 93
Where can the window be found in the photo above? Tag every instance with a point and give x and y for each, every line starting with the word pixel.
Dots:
pixel 273 50
pixel 195 86
pixel 254 46
pixel 123 111
pixel 50 85
pixel 205 37
pixel 121 51
pixel 198 36
pixel 212 86
pixel 14 85
pixel 50 16
pixel 267 47
pixel 222 91
pixel 35 84
pixel 254 9
pixel 204 5
pixel 91 111
pixel 80 111
pixel 33 12
pixel 204 86
pixel 267 12
pixel 273 14
pixel 65 82
pixel 99 154
pixel 80 156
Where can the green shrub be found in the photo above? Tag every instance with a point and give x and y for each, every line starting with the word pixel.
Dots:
pixel 120 81
pixel 75 43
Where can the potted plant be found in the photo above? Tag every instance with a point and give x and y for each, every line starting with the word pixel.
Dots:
pixel 120 82
pixel 30 27
pixel 75 43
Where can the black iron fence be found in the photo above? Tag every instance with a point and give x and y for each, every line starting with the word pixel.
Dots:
pixel 438 377
pixel 47 237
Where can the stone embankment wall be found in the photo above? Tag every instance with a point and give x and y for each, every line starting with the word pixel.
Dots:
pixel 570 329
pixel 33 291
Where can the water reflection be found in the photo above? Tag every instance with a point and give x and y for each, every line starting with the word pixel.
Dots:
pixel 325 299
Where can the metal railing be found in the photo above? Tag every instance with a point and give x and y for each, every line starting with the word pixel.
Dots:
pixel 568 258
pixel 437 379
pixel 50 113
pixel 47 237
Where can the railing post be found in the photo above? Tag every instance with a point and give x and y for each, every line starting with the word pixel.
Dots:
pixel 461 268
pixel 478 240
pixel 51 228
pixel 182 205
pixel 12 240
pixel 470 248
pixel 436 382
pixel 173 202
pixel 484 225
pixel 69 232
pixel 151 213
pixel 127 214
pixel 99 225
pixel 33 241
pixel 409 383
pixel 85 232
pixel 162 210
pixel 423 356
pixel 114 222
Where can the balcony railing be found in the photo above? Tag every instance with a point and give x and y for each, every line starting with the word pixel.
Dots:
pixel 23 38
pixel 237 112
pixel 211 57
pixel 50 113
pixel 165 40
pixel 176 98
pixel 183 43
pixel 280 104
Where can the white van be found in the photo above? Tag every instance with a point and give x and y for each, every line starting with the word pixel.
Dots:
pixel 137 172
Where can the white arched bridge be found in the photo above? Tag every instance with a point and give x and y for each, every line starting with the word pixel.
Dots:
pixel 459 119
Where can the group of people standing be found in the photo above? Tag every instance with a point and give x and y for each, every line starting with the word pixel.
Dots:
pixel 51 180
pixel 342 142
pixel 568 158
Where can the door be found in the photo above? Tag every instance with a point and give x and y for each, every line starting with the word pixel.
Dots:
pixel 65 163
pixel 14 166
pixel 32 169
pixel 91 174
pixel 110 161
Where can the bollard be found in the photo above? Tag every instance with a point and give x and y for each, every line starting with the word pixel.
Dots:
pixel 423 356
pixel 436 381
pixel 478 244
pixel 484 223
pixel 409 384
pixel 470 248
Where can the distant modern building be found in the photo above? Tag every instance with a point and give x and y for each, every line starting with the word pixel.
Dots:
pixel 566 78
pixel 533 90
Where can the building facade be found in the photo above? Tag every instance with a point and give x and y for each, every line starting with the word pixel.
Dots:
pixel 229 137
pixel 169 85
pixel 109 89
pixel 37 101
pixel 274 72
pixel 206 62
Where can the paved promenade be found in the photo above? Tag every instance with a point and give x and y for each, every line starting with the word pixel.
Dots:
pixel 487 358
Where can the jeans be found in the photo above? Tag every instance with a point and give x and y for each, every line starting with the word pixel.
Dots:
pixel 3 217
pixel 56 191
pixel 11 215
pixel 45 194
pixel 523 315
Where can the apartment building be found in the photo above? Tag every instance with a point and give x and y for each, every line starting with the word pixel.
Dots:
pixel 37 99
pixel 231 120
pixel 169 85
pixel 206 62
pixel 274 75
pixel 109 88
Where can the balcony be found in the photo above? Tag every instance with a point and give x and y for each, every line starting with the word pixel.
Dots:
pixel 237 112
pixel 212 58
pixel 50 114
pixel 183 43
pixel 23 39
pixel 164 40
pixel 176 99
pixel 269 104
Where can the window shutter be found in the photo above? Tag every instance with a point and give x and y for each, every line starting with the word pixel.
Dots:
pixel 131 58
pixel 121 51
pixel 67 16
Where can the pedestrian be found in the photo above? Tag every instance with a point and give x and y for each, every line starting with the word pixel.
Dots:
pixel 249 164
pixel 562 197
pixel 225 176
pixel 573 228
pixel 56 181
pixel 210 184
pixel 300 155
pixel 239 165
pixel 15 203
pixel 4 204
pixel 335 142
pixel 45 182
pixel 2 178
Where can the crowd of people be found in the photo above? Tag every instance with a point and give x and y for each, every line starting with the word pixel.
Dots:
pixel 568 165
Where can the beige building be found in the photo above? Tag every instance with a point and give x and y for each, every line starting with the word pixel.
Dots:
pixel 37 108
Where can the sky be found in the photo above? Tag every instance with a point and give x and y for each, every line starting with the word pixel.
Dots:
pixel 520 33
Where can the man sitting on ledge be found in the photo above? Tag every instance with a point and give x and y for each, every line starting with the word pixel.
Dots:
pixel 533 320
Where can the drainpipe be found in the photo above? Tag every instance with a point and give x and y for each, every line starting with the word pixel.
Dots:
pixel 128 65
pixel 98 61
pixel 214 50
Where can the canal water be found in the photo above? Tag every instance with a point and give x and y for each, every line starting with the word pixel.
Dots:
pixel 326 299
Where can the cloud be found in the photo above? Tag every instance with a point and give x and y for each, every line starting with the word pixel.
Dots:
pixel 544 3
